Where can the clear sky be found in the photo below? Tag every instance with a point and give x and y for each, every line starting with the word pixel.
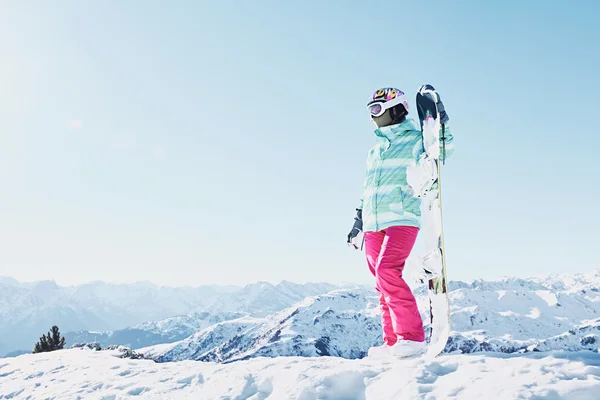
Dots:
pixel 193 142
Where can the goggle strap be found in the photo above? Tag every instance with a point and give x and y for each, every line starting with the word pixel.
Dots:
pixel 385 105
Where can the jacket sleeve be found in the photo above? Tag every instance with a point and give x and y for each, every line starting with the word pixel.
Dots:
pixel 364 186
pixel 362 196
pixel 446 143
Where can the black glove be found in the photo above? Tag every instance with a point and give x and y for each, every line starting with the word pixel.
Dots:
pixel 428 90
pixel 356 230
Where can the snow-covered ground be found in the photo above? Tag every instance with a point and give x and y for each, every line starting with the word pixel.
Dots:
pixel 86 374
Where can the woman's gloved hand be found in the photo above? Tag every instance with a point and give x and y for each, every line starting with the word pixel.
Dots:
pixel 353 236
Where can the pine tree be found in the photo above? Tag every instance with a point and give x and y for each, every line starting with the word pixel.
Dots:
pixel 57 340
pixel 50 342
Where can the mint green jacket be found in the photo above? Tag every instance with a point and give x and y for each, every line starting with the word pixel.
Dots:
pixel 387 198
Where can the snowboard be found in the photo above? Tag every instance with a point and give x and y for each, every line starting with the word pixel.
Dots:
pixel 434 263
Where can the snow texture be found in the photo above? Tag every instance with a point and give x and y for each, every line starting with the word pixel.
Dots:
pixel 87 374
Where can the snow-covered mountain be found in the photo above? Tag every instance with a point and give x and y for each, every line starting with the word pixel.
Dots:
pixel 203 342
pixel 263 298
pixel 181 325
pixel 506 315
pixel 29 309
pixel 119 313
pixel 584 337
pixel 514 314
pixel 517 313
pixel 150 333
pixel 509 315
pixel 259 299
pixel 342 323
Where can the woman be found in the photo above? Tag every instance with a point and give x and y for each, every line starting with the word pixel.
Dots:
pixel 389 214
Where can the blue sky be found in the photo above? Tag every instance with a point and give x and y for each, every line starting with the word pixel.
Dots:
pixel 224 142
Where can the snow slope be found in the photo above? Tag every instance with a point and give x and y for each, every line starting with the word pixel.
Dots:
pixel 83 374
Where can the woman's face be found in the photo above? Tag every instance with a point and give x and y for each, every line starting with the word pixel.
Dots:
pixel 384 119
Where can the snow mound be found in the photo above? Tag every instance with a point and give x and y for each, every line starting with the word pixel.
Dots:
pixel 102 375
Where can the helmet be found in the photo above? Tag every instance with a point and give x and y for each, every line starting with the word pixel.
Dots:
pixel 386 98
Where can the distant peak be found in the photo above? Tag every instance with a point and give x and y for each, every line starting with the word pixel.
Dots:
pixel 7 280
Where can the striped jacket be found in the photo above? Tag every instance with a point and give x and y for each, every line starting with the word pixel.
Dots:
pixel 388 199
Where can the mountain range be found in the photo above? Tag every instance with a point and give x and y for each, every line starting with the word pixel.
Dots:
pixel 262 319
pixel 137 315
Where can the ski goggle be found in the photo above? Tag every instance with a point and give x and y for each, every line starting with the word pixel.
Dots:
pixel 377 108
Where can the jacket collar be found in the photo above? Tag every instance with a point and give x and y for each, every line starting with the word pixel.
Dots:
pixel 393 131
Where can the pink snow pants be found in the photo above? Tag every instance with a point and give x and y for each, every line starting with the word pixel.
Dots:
pixel 386 253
